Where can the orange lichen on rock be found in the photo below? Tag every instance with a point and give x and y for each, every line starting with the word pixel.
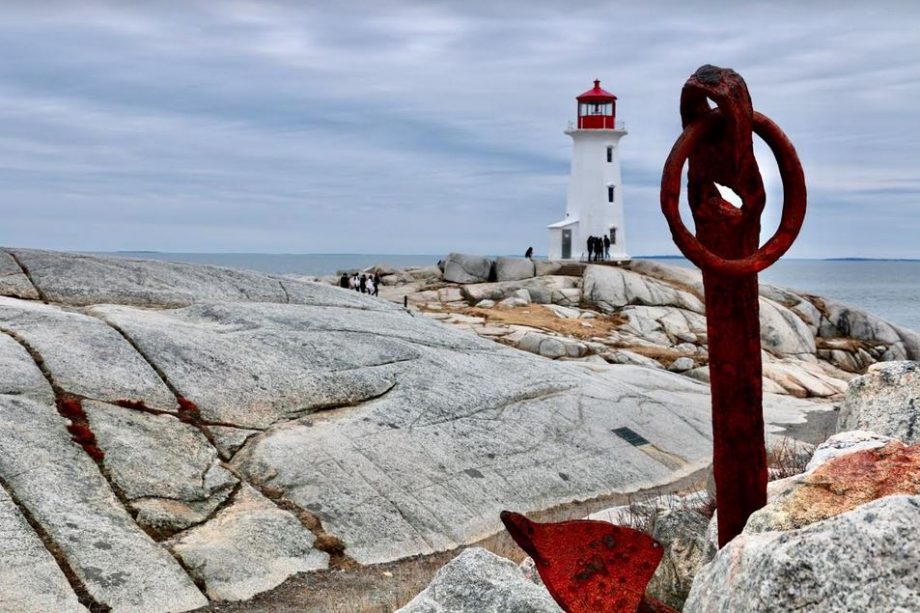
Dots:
pixel 846 482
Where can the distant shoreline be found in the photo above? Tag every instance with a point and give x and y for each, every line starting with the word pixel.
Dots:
pixel 439 256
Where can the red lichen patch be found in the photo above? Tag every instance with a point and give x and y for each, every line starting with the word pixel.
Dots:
pixel 590 566
pixel 80 432
pixel 852 480
pixel 137 405
pixel 188 410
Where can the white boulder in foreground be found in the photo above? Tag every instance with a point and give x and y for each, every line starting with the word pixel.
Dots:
pixel 478 581
pixel 864 561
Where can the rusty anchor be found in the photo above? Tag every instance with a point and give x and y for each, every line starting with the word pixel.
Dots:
pixel 596 566
pixel 718 145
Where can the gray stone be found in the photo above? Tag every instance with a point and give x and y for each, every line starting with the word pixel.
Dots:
pixel 513 269
pixel 30 579
pixel 551 346
pixel 513 302
pixel 485 304
pixel 465 268
pixel 547 267
pixel 64 491
pixel 863 561
pixel 249 547
pixel 612 288
pixel 681 364
pixel 782 331
pixel 478 581
pixel 141 448
pixel 14 282
pixel 845 321
pixel 19 374
pixel 885 400
pixel 251 365
pixel 87 279
pixel 86 356
pixel 682 534
pixel 844 443
pixel 229 439
pixel 542 290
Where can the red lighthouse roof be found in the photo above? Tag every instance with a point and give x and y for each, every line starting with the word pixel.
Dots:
pixel 596 94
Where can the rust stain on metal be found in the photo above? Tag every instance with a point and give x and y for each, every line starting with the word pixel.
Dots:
pixel 591 566
pixel 717 143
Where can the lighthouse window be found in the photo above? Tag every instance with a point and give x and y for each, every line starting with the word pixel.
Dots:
pixel 610 193
pixel 613 236
pixel 609 154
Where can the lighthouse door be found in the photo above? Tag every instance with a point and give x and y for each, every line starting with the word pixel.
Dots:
pixel 567 244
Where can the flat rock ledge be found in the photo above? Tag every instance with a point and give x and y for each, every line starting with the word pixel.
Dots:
pixel 172 435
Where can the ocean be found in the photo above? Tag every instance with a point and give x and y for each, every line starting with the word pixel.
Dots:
pixel 888 288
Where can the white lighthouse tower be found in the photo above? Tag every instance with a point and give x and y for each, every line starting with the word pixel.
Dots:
pixel 594 205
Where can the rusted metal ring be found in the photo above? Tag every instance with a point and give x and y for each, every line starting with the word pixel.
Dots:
pixel 794 198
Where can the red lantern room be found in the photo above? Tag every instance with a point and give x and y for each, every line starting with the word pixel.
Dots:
pixel 597 109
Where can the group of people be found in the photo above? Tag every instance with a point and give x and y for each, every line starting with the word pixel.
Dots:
pixel 598 248
pixel 366 284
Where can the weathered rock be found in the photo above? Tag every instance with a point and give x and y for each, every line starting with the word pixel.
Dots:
pixel 18 373
pixel 624 356
pixel 864 561
pixel 464 268
pixel 845 321
pixel 885 400
pixel 552 346
pixel 86 279
pixel 844 443
pixel 229 439
pixel 64 491
pixel 13 281
pixel 682 534
pixel 612 288
pixel 547 267
pixel 513 302
pixel 542 290
pixel 30 579
pixel 840 485
pixel 141 448
pixel 681 364
pixel 478 581
pixel 249 547
pixel 782 331
pixel 485 304
pixel 513 269
pixel 86 356
pixel 253 365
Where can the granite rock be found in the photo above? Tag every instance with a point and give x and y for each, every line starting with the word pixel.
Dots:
pixel 885 400
pixel 864 561
pixel 247 548
pixel 464 268
pixel 513 269
pixel 478 581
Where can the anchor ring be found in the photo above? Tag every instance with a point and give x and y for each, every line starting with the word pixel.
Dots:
pixel 794 200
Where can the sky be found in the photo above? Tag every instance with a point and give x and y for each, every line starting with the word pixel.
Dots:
pixel 428 127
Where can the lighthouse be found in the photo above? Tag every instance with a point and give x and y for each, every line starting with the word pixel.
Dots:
pixel 594 204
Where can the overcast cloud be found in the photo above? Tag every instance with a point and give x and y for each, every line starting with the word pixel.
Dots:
pixel 427 127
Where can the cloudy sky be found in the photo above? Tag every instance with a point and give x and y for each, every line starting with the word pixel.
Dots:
pixel 424 127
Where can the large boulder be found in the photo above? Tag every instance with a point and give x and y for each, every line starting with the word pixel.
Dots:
pixel 885 400
pixel 513 269
pixel 612 288
pixel 551 289
pixel 465 268
pixel 478 581
pixel 682 534
pixel 840 320
pixel 864 561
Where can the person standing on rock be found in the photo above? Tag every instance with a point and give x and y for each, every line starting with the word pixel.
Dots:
pixel 363 284
pixel 343 282
pixel 529 253
pixel 354 283
pixel 590 247
pixel 377 283
pixel 606 247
